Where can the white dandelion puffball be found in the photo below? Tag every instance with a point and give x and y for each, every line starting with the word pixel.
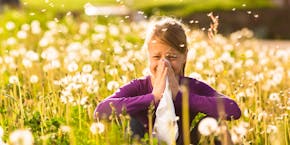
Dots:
pixel 112 85
pixel 21 137
pixel 87 68
pixel 97 127
pixel 72 67
pixel 207 126
pixel 34 79
pixel 13 80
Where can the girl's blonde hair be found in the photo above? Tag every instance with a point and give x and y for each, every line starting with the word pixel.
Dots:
pixel 168 30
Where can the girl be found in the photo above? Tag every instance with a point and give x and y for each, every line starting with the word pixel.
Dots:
pixel 166 43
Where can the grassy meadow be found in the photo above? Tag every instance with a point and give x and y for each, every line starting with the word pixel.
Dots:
pixel 56 69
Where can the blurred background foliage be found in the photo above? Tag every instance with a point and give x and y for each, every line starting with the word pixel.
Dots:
pixel 166 7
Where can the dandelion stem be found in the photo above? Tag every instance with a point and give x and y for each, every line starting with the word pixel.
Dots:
pixel 185 115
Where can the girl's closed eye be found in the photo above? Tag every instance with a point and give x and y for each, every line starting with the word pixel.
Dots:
pixel 171 57
pixel 156 57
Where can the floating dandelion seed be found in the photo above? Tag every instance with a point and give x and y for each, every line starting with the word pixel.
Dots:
pixel 97 127
pixel 244 5
pixel 207 126
pixel 249 12
pixel 233 9
pixel 191 21
pixel 256 15
pixel 21 137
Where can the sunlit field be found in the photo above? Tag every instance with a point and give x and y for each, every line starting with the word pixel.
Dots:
pixel 55 71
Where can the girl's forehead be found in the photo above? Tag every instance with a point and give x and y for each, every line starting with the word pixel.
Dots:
pixel 161 48
pixel 158 46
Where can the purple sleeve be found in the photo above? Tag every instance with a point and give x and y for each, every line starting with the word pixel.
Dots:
pixel 206 100
pixel 127 96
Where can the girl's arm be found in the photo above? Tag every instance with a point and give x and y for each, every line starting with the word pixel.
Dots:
pixel 126 97
pixel 204 99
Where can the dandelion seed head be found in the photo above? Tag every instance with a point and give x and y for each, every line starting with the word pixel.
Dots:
pixel 72 67
pixel 249 62
pixel 50 53
pixel 13 80
pixel 112 85
pixel 97 128
pixel 87 68
pixel 274 97
pixel 114 30
pixel 22 35
pixel 96 54
pixel 21 137
pixel 25 27
pixel 27 63
pixel 235 138
pixel 199 65
pixel 271 129
pixel 10 25
pixel 207 126
pixel 34 79
pixel 118 49
pixel 31 55
pixel 262 115
pixel 11 41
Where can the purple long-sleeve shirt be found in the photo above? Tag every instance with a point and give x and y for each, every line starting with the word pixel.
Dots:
pixel 137 96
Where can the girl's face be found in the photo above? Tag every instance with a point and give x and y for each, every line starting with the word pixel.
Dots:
pixel 159 50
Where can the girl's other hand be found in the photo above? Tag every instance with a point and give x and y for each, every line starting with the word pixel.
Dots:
pixel 159 80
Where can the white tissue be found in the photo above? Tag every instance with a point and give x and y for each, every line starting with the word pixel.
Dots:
pixel 166 120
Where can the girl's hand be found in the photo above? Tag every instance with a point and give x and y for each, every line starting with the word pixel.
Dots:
pixel 159 81
pixel 173 81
